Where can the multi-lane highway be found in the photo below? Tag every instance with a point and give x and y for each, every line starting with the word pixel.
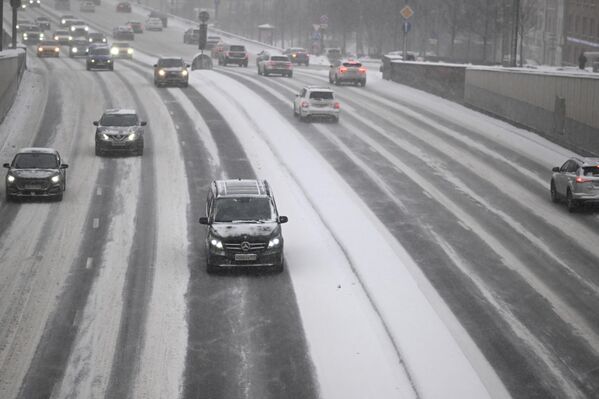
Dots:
pixel 105 294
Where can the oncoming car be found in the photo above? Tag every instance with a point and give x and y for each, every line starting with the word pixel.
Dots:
pixel 154 24
pixel 316 102
pixel 48 48
pixel 99 57
pixel 171 71
pixel 36 172
pixel 298 55
pixel 121 50
pixel 62 36
pixel 123 33
pixel 576 182
pixel 119 131
pixel 244 226
pixel 96 37
pixel 78 48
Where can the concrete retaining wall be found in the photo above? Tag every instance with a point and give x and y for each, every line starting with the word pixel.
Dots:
pixel 12 66
pixel 561 107
pixel 444 80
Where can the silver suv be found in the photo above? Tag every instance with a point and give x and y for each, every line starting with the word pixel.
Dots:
pixel 343 71
pixel 576 182
pixel 313 101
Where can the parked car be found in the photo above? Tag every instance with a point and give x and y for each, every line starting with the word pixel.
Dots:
pixel 316 102
pixel 99 57
pixel 123 33
pixel 298 55
pixel 78 48
pixel 576 182
pixel 123 6
pixel 136 26
pixel 191 36
pixel 243 226
pixel 276 64
pixel 119 131
pixel 48 48
pixel 154 24
pixel 36 173
pixel 343 71
pixel 171 71
pixel 87 6
pixel 233 54
pixel 121 50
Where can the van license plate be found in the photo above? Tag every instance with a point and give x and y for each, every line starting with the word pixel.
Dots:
pixel 245 257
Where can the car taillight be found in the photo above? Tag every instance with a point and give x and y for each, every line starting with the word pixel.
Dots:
pixel 362 70
pixel 342 69
pixel 246 56
pixel 337 106
pixel 580 179
pixel 305 104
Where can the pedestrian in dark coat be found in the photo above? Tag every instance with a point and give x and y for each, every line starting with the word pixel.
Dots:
pixel 582 60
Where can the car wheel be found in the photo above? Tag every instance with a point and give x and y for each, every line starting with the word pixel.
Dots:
pixel 9 198
pixel 330 79
pixel 571 202
pixel 294 111
pixel 210 268
pixel 266 73
pixel 185 84
pixel 290 75
pixel 58 198
pixel 278 268
pixel 98 151
pixel 553 192
pixel 337 81
pixel 87 67
pixel 363 83
pixel 336 119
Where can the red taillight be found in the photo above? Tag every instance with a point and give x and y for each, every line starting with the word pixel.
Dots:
pixel 580 179
pixel 342 69
pixel 305 104
pixel 337 106
pixel 362 70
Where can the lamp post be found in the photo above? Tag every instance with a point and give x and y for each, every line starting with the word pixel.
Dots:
pixel 1 23
pixel 516 30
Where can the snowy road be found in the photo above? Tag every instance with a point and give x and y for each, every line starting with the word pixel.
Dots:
pixel 424 258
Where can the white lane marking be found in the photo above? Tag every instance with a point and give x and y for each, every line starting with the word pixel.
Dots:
pixel 99 191
pixel 77 318
pixel 464 225
pixel 89 263
pixel 427 194
pixel 96 223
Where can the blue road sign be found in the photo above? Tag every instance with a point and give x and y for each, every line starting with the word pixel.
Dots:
pixel 407 26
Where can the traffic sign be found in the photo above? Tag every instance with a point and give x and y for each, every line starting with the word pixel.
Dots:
pixel 316 36
pixel 316 27
pixel 406 12
pixel 204 16
pixel 324 19
pixel 407 26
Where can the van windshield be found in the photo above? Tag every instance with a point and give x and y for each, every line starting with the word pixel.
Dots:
pixel 243 209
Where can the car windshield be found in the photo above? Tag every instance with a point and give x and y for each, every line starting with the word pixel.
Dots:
pixel 33 29
pixel 35 161
pixel 592 171
pixel 119 120
pixel 170 62
pixel 237 48
pixel 243 209
pixel 79 42
pixel 120 45
pixel 61 32
pixel 99 51
pixel 298 50
pixel 279 58
pixel 321 95
pixel 49 43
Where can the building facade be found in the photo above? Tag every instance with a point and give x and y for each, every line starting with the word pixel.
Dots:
pixel 581 31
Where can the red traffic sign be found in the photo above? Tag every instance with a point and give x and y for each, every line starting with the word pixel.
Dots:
pixel 406 12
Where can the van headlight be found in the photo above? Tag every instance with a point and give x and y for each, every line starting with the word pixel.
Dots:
pixel 161 72
pixel 55 179
pixel 184 72
pixel 129 51
pixel 74 49
pixel 104 136
pixel 114 51
pixel 274 242
pixel 10 178
pixel 132 136
pixel 218 244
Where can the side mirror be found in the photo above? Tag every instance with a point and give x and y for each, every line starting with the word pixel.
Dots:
pixel 96 123
pixel 143 123
pixel 64 166
pixel 555 169
pixel 283 219
pixel 6 165
pixel 203 220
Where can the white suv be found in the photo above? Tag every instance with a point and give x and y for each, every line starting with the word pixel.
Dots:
pixel 313 101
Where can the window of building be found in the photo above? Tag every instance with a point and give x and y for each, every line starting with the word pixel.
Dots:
pixel 577 24
pixel 584 25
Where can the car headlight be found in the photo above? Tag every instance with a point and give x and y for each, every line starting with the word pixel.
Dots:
pixel 74 49
pixel 109 61
pixel 90 40
pixel 86 28
pixel 103 40
pixel 70 37
pixel 62 21
pixel 72 29
pixel 10 178
pixel 56 38
pixel 40 49
pixel 184 72
pixel 274 242
pixel 114 51
pixel 93 60
pixel 216 243
pixel 41 35
pixel 129 51
pixel 55 179
pixel 56 49
pixel 161 72
pixel 24 35
pixel 105 136
pixel 132 136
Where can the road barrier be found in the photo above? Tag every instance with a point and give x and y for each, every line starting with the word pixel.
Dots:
pixel 558 105
pixel 12 66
